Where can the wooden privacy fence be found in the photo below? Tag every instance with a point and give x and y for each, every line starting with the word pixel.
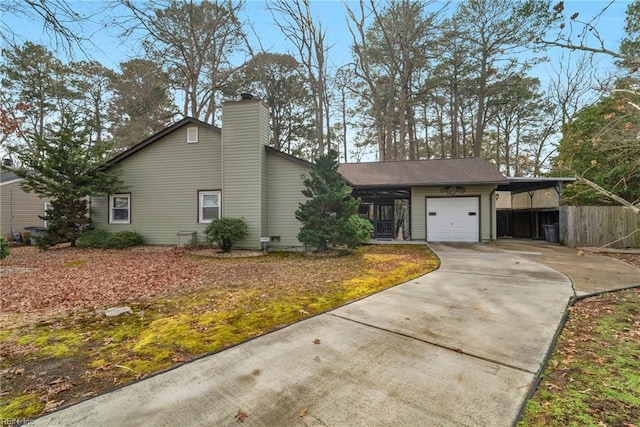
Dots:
pixel 598 226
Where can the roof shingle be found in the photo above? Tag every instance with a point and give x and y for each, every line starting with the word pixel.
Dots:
pixel 8 176
pixel 421 172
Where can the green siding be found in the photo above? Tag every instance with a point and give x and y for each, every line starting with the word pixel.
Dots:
pixel 418 205
pixel 164 179
pixel 264 169
pixel 245 132
pixel 285 194
pixel 19 209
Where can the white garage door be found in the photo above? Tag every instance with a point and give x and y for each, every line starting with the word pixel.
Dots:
pixel 453 219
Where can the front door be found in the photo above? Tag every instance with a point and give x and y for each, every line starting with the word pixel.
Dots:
pixel 383 220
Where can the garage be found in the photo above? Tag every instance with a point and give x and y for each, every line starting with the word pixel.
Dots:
pixel 460 195
pixel 453 219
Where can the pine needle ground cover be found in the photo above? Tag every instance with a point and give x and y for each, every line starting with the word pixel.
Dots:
pixel 593 377
pixel 58 348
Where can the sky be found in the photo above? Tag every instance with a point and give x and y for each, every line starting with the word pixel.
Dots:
pixel 107 47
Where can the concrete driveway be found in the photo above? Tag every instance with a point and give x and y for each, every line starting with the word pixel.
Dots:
pixel 590 273
pixel 459 346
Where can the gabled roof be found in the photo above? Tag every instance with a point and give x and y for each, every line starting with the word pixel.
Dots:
pixel 288 156
pixel 7 177
pixel 164 132
pixel 407 173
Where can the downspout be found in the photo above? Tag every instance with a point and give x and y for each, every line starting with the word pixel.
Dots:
pixel 558 188
pixel 492 208
pixel 11 212
pixel 531 215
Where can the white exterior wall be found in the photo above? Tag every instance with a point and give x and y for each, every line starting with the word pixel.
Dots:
pixel 547 198
pixel 504 200
pixel 487 218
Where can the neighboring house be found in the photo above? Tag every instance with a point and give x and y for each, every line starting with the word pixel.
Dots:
pixel 191 173
pixel 18 209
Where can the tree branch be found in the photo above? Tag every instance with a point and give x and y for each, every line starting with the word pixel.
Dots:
pixel 581 179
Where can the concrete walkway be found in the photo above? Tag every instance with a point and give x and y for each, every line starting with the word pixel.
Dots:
pixel 460 346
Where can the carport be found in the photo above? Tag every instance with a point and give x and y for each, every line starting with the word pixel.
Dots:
pixel 524 206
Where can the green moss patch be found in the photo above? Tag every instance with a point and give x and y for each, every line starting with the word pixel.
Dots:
pixel 22 407
pixel 244 298
pixel 75 263
pixel 52 343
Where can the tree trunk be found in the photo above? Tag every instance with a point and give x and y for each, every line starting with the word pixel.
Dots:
pixel 482 94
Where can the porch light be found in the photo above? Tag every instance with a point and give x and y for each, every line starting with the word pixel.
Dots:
pixel 452 190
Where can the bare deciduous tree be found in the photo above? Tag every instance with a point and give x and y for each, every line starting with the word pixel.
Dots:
pixel 618 139
pixel 59 18
pixel 296 22
pixel 193 42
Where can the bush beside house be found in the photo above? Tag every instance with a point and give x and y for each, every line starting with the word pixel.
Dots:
pixel 102 239
pixel 4 248
pixel 226 232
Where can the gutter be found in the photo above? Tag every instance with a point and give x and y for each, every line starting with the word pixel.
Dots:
pixel 428 184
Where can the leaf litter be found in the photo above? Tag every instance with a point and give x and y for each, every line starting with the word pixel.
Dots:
pixel 51 329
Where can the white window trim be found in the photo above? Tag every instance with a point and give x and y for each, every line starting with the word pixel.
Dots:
pixel 47 205
pixel 120 221
pixel 201 195
pixel 192 135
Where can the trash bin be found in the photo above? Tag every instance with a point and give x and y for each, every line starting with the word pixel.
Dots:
pixel 16 236
pixel 35 232
pixel 551 232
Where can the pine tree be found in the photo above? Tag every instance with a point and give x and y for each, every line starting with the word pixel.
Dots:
pixel 65 167
pixel 330 216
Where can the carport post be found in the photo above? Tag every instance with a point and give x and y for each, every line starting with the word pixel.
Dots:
pixel 531 220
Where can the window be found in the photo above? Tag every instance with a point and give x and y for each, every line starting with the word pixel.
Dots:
pixel 47 206
pixel 192 135
pixel 120 208
pixel 208 206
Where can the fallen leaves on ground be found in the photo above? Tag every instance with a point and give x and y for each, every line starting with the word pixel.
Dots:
pixel 241 416
pixel 629 258
pixel 593 374
pixel 185 303
pixel 39 284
